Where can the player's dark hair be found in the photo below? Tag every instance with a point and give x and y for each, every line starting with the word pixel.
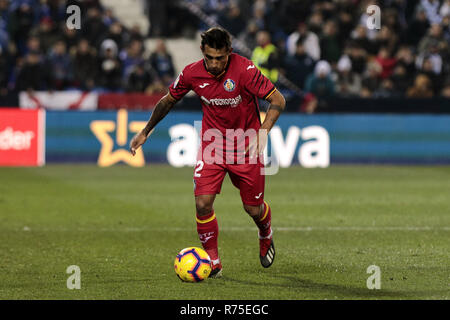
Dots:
pixel 216 38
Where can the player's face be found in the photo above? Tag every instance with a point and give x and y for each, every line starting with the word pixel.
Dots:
pixel 216 60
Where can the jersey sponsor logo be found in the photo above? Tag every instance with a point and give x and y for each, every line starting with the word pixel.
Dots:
pixel 251 67
pixel 232 102
pixel 205 100
pixel 258 196
pixel 203 85
pixel 229 85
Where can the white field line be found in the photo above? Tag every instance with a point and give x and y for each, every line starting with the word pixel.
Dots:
pixel 241 229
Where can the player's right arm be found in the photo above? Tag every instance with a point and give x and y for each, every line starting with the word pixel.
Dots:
pixel 177 90
pixel 162 108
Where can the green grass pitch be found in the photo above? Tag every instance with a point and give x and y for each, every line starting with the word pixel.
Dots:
pixel 124 226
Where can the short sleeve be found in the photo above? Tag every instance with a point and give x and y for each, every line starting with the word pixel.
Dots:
pixel 256 83
pixel 180 86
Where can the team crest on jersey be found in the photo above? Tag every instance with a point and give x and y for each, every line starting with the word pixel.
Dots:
pixel 229 85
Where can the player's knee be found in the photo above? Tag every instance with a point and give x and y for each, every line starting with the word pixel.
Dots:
pixel 253 211
pixel 203 207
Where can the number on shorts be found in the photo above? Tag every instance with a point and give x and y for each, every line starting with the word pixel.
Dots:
pixel 198 167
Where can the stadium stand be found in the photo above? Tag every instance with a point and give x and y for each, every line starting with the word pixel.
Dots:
pixel 319 50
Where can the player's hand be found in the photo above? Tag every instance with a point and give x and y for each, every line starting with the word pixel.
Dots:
pixel 137 141
pixel 257 144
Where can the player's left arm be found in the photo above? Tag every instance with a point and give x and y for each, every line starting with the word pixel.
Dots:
pixel 276 107
pixel 260 86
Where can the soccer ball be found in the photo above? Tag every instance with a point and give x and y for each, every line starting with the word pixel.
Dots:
pixel 192 265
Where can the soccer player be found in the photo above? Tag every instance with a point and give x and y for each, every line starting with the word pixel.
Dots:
pixel 229 86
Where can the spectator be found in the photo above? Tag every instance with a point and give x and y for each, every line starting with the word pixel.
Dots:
pixel 365 93
pixel 319 82
pixel 59 67
pixel 117 34
pixel 131 56
pixel 71 38
pixel 315 22
pixel 417 29
pixel 248 36
pixel 348 83
pixel 391 20
pixel 399 14
pixel 93 27
pixel 265 56
pixel 309 104
pixel 386 89
pixel 358 56
pixel 327 9
pixel 401 79
pixel 386 62
pixel 259 14
pixel 329 42
pixel 46 33
pixel 345 22
pixel 33 44
pixel 435 78
pixel 431 8
pixel 406 58
pixel 232 20
pixel 84 66
pixel 4 12
pixel 135 33
pixel 161 62
pixel 371 79
pixel 359 39
pixel 56 9
pixel 421 88
pixel 310 41
pixel 158 14
pixel 110 67
pixel 299 66
pixel 32 74
pixel 385 38
pixel 20 24
pixel 432 39
pixel 434 58
pixel 139 79
pixel 108 17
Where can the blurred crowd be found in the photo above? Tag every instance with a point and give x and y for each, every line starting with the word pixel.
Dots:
pixel 324 48
pixel 38 51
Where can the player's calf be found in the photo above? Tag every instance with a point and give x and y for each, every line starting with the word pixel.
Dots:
pixel 262 215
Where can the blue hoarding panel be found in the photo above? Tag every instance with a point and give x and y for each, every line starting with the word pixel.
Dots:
pixel 75 136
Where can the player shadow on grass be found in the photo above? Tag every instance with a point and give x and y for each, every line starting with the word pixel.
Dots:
pixel 332 290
